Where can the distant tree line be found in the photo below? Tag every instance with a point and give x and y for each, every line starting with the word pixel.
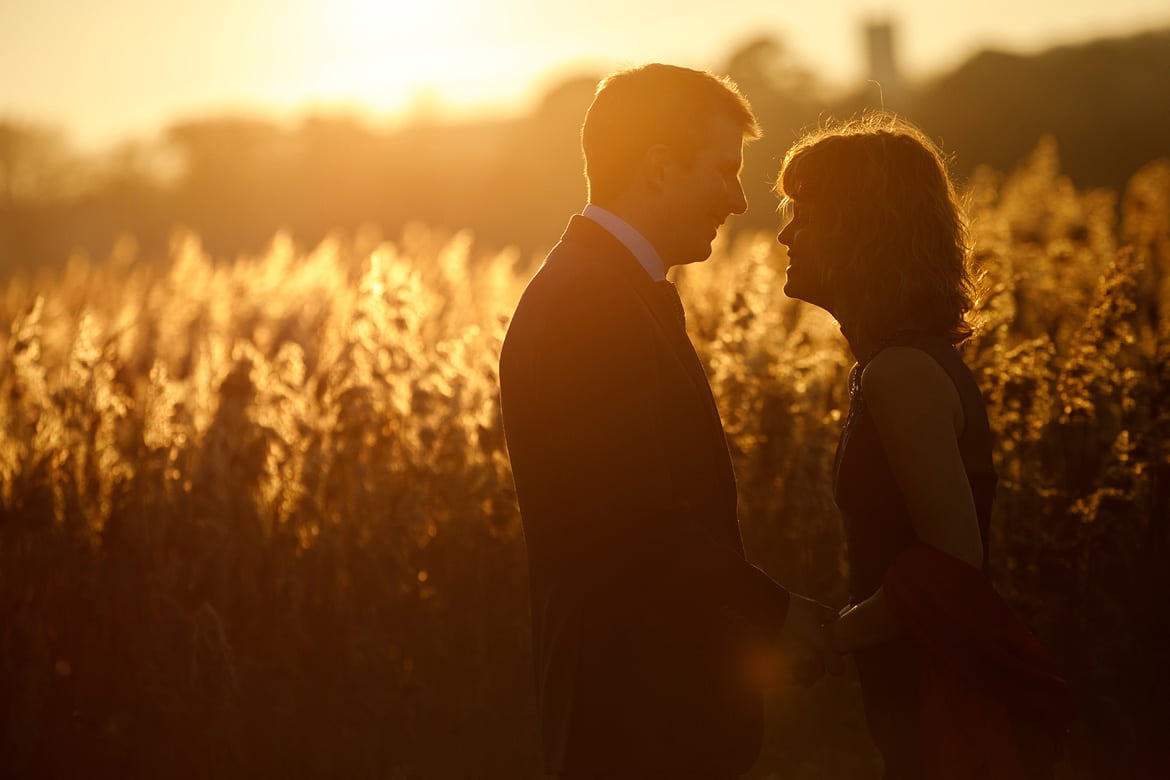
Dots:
pixel 513 181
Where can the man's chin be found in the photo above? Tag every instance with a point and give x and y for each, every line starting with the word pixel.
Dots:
pixel 696 257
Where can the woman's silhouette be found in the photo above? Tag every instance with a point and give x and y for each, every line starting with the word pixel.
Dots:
pixel 954 685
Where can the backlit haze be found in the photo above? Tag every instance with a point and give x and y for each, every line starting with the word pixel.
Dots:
pixel 106 71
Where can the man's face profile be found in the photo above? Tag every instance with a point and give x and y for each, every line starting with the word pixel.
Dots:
pixel 700 193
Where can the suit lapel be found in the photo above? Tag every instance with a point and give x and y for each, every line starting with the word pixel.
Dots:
pixel 607 248
pixel 591 240
pixel 602 244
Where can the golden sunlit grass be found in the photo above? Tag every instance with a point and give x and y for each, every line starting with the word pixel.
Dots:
pixel 257 517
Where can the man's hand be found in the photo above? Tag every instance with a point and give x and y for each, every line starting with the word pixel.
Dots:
pixel 803 644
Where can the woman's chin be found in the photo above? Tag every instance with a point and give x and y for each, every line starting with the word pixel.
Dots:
pixel 802 292
pixel 794 289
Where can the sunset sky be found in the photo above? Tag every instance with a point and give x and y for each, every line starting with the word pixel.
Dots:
pixel 105 71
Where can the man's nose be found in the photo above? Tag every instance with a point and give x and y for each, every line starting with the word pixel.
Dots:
pixel 738 202
pixel 785 235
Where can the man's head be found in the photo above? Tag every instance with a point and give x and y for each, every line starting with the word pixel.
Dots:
pixel 663 148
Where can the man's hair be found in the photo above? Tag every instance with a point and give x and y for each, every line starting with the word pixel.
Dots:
pixel 905 259
pixel 635 109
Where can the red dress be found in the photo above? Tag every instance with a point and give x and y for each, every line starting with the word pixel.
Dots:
pixel 980 668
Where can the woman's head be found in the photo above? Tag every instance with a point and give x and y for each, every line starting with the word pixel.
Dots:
pixel 877 236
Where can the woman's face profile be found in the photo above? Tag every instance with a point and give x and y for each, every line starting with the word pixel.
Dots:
pixel 813 240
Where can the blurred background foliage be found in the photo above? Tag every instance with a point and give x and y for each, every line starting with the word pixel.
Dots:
pixel 256 515
pixel 256 519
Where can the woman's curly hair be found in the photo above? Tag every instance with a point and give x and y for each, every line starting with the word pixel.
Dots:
pixel 905 259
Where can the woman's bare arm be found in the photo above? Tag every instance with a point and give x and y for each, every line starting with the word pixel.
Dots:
pixel 919 417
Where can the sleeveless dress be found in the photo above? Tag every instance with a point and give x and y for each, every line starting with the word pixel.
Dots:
pixel 878 528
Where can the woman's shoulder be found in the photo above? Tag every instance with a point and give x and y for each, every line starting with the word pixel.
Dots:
pixel 898 367
pixel 922 355
pixel 903 382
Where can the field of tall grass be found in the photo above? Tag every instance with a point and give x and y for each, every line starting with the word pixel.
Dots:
pixel 256 516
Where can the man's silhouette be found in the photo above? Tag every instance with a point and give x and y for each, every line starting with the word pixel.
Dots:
pixel 648 623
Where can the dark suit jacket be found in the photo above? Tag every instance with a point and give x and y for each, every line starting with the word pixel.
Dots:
pixel 645 615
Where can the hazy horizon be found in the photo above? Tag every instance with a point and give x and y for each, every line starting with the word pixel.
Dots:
pixel 125 73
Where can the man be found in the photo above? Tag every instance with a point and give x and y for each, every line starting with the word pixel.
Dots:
pixel 648 623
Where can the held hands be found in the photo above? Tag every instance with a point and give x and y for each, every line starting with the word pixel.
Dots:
pixel 806 640
pixel 832 653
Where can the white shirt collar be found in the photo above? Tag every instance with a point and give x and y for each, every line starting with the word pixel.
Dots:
pixel 630 238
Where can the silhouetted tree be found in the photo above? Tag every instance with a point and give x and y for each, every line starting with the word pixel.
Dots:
pixel 1106 103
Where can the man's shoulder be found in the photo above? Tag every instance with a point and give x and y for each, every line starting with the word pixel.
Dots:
pixel 580 272
pixel 585 249
pixel 577 293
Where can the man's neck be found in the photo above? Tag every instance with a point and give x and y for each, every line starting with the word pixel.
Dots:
pixel 640 209
pixel 628 233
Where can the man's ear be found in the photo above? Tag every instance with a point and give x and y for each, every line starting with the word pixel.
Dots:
pixel 656 166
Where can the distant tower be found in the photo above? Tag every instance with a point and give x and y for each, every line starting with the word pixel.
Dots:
pixel 883 64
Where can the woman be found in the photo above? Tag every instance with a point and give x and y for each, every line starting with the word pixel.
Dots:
pixel 954 685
